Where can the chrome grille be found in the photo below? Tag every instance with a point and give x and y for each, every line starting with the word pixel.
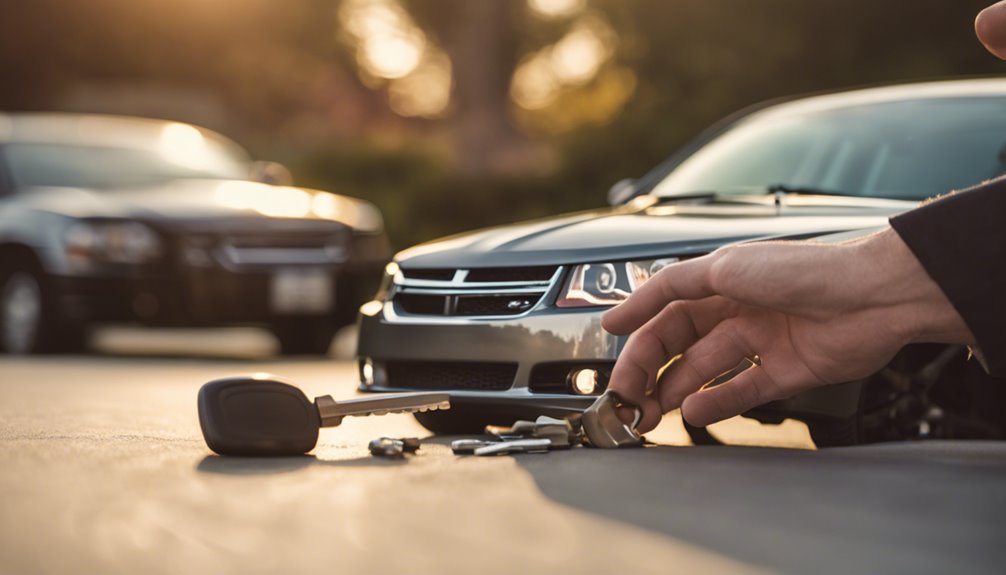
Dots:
pixel 267 248
pixel 481 292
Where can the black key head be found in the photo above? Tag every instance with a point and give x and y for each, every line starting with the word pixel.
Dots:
pixel 257 416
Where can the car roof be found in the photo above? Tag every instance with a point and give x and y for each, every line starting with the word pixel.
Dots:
pixel 943 89
pixel 95 130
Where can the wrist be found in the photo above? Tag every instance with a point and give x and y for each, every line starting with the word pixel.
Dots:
pixel 899 287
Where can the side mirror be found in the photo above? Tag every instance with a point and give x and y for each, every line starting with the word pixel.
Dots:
pixel 273 173
pixel 621 191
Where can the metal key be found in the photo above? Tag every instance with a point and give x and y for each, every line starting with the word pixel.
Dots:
pixel 515 446
pixel 603 428
pixel 468 446
pixel 264 415
pixel 332 412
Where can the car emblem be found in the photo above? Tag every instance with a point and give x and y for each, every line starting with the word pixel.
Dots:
pixel 518 304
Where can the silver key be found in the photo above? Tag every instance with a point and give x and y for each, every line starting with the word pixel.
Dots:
pixel 332 411
pixel 560 431
pixel 468 446
pixel 515 446
pixel 604 429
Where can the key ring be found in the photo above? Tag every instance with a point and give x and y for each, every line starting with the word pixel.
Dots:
pixel 602 426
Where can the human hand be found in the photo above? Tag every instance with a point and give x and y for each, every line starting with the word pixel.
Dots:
pixel 990 26
pixel 812 314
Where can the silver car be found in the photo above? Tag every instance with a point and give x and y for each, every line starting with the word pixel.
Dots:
pixel 107 219
pixel 508 319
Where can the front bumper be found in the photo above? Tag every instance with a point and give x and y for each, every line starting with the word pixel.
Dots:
pixel 517 367
pixel 205 300
pixel 209 291
pixel 514 365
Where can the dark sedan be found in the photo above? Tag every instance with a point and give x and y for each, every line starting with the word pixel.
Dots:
pixel 509 319
pixel 114 219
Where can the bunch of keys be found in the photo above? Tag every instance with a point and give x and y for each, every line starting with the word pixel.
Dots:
pixel 264 415
pixel 598 426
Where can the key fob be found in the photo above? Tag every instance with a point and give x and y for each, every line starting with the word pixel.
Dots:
pixel 257 416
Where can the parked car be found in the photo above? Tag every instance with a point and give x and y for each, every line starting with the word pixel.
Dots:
pixel 508 319
pixel 115 219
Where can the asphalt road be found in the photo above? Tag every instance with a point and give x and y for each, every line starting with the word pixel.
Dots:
pixel 104 471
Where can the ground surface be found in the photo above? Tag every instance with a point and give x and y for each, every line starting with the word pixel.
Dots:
pixel 104 471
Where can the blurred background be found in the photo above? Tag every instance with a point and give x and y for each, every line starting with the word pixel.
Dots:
pixel 456 114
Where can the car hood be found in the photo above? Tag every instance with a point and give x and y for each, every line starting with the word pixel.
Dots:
pixel 205 204
pixel 646 229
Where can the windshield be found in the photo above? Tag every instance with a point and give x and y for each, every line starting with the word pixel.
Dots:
pixel 906 150
pixel 104 167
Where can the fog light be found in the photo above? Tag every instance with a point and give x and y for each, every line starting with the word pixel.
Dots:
pixel 367 372
pixel 585 381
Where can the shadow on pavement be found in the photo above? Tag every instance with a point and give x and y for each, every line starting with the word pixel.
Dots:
pixel 223 465
pixel 932 507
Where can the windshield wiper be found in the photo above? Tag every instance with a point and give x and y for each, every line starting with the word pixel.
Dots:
pixel 804 191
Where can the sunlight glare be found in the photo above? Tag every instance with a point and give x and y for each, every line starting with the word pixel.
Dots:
pixel 184 145
pixel 554 9
pixel 392 56
pixel 578 56
pixel 426 92
pixel 534 83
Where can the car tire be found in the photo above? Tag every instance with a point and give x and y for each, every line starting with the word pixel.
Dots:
pixel 834 432
pixel 29 320
pixel 304 337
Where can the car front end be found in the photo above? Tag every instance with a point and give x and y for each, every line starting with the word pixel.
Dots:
pixel 515 341
pixel 508 320
pixel 113 219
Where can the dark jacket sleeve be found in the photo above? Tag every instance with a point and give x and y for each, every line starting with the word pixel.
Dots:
pixel 960 239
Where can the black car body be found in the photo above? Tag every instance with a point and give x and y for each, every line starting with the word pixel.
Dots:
pixel 113 219
pixel 508 319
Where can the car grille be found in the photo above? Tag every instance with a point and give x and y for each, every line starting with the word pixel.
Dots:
pixel 483 292
pixel 428 375
pixel 266 248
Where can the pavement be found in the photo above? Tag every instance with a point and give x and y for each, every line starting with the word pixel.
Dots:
pixel 104 470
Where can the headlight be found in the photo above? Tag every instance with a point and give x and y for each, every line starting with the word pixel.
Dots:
pixel 605 284
pixel 111 242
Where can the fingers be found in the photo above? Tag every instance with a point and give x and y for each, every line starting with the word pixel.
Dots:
pixel 715 354
pixel 748 390
pixel 670 332
pixel 990 26
pixel 684 280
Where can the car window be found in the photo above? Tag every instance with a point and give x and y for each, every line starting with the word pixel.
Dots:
pixel 106 167
pixel 906 149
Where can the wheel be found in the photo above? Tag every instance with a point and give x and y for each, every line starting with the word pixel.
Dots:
pixel 29 321
pixel 448 423
pixel 834 432
pixel 21 305
pixel 304 337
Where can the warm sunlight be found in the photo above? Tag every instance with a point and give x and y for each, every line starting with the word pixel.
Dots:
pixel 183 145
pixel 552 9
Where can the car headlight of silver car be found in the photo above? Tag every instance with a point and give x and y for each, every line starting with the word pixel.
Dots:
pixel 609 283
pixel 87 243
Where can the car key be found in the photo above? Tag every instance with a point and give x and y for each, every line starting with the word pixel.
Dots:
pixel 603 428
pixel 515 446
pixel 264 415
pixel 468 446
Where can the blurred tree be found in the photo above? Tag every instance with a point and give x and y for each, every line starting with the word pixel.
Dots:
pixel 609 88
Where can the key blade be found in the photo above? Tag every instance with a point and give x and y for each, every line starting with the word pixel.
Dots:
pixel 515 446
pixel 332 411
